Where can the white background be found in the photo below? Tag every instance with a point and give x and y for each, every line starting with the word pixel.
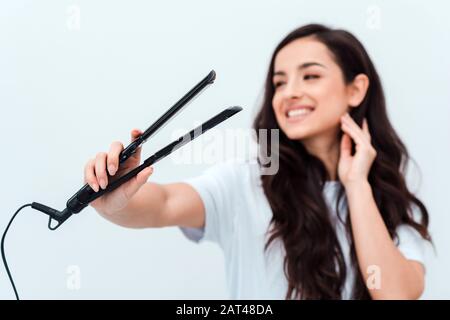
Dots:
pixel 67 92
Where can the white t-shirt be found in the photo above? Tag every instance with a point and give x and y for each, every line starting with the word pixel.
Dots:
pixel 237 219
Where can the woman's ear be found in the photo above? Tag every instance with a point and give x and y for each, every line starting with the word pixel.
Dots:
pixel 356 91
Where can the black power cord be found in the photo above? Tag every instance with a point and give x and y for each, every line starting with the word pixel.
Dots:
pixel 54 215
pixel 3 249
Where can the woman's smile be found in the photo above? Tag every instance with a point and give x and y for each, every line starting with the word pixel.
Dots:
pixel 296 114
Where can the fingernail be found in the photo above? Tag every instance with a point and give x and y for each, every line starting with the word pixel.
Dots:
pixel 103 183
pixel 112 169
pixel 95 187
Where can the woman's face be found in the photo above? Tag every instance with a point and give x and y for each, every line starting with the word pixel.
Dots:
pixel 310 92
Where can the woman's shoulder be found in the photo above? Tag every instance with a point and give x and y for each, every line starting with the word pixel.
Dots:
pixel 236 173
pixel 238 167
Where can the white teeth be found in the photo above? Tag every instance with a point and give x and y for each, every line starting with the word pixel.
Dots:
pixel 299 112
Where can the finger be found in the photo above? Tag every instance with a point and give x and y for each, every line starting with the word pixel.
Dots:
pixel 366 129
pixel 89 175
pixel 352 133
pixel 136 133
pixel 346 146
pixel 137 182
pixel 113 157
pixel 143 175
pixel 352 124
pixel 100 169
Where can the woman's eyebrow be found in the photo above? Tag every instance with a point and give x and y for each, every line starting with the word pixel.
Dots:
pixel 300 67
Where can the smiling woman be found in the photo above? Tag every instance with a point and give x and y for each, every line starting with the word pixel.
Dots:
pixel 310 87
pixel 320 88
pixel 335 215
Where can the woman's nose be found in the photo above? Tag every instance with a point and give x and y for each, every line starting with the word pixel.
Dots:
pixel 293 89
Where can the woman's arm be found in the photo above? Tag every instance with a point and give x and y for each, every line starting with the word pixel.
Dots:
pixel 399 278
pixel 157 205
pixel 376 252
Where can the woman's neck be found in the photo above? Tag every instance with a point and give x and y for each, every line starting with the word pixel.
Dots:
pixel 327 149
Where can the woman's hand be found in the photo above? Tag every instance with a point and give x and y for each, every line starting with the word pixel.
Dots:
pixel 95 174
pixel 355 169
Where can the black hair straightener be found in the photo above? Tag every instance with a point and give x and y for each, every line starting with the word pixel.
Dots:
pixel 86 194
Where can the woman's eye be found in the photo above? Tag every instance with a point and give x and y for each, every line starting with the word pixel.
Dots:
pixel 311 76
pixel 278 84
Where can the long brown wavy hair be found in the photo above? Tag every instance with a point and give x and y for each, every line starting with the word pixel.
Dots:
pixel 314 263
